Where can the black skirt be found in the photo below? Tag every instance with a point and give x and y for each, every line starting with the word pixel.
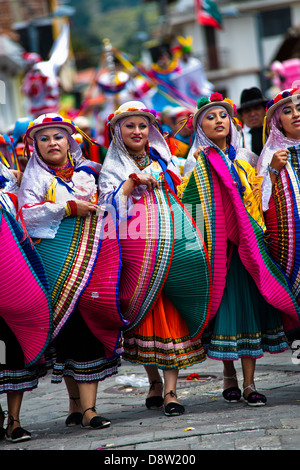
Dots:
pixel 14 376
pixel 80 355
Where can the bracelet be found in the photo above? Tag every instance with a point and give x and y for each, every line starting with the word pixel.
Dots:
pixel 71 208
pixel 136 180
pixel 68 210
pixel 276 172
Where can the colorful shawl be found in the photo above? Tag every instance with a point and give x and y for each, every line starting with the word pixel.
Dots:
pixel 283 221
pixel 83 266
pixel 215 185
pixel 163 251
pixel 25 303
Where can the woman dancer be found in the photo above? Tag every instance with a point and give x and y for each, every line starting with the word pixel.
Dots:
pixel 57 201
pixel 136 159
pixel 19 371
pixel 279 165
pixel 244 325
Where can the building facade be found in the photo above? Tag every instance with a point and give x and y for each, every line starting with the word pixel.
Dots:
pixel 238 56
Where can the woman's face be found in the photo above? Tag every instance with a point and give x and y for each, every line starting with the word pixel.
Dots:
pixel 53 146
pixel 290 120
pixel 215 124
pixel 135 132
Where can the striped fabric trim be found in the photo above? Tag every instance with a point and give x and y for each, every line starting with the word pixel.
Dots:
pixel 236 347
pixel 86 372
pixel 18 380
pixel 77 271
pixel 176 354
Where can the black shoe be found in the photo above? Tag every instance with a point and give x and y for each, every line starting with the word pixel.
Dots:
pixel 173 408
pixel 18 434
pixel 232 394
pixel 97 422
pixel 73 419
pixel 254 398
pixel 155 401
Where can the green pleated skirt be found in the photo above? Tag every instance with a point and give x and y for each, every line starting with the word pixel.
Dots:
pixel 245 324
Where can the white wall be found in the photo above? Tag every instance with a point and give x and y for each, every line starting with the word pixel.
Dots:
pixel 13 106
pixel 6 108
pixel 239 37
pixel 245 52
pixel 296 15
pixel 235 85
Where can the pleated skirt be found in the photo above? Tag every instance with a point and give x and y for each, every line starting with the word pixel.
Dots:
pixel 245 324
pixel 163 339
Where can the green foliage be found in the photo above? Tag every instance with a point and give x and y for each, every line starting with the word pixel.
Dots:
pixel 107 5
pixel 126 23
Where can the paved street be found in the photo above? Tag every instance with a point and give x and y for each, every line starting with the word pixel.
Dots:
pixel 208 424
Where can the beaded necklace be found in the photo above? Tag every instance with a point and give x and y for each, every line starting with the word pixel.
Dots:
pixel 142 160
pixel 65 172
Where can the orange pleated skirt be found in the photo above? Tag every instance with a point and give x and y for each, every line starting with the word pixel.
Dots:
pixel 163 339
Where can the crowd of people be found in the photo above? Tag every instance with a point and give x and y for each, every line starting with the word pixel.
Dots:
pixel 93 230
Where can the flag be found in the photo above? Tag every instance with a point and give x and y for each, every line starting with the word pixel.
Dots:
pixel 208 14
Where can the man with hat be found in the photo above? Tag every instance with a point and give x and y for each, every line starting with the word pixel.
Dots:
pixel 252 112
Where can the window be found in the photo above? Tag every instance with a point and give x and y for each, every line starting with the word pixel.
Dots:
pixel 36 37
pixel 275 22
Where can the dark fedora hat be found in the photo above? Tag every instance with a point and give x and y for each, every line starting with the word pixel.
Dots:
pixel 251 97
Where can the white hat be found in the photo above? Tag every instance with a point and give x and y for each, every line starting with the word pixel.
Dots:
pixel 130 108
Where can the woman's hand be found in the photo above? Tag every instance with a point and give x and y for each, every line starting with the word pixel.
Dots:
pixel 84 207
pixel 18 175
pixel 148 180
pixel 279 159
pixel 197 153
pixel 145 179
